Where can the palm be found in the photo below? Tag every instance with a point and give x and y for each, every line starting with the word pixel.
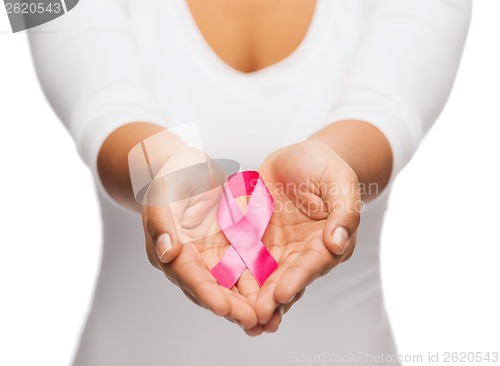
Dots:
pixel 290 233
pixel 192 221
pixel 295 235
pixel 200 252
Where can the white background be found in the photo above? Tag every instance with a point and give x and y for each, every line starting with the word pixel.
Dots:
pixel 441 245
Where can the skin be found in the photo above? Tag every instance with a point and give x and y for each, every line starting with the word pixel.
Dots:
pixel 249 35
pixel 346 153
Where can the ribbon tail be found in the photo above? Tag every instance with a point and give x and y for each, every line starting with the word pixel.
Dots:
pixel 266 265
pixel 229 269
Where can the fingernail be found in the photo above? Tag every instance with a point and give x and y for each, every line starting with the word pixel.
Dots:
pixel 163 245
pixel 341 238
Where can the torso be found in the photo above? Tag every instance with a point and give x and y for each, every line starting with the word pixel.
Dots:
pixel 249 35
pixel 243 117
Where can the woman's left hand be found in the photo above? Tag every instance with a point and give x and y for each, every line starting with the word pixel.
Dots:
pixel 313 227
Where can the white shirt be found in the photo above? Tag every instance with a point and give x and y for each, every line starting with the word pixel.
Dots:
pixel 106 63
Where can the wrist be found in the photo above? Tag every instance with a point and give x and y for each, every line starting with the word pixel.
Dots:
pixel 113 159
pixel 364 148
pixel 161 162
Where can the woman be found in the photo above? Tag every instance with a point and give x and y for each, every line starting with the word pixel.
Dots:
pixel 333 92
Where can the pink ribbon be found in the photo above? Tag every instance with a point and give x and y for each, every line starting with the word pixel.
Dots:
pixel 244 231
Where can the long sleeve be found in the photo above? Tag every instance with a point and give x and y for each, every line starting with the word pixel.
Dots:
pixel 91 73
pixel 404 68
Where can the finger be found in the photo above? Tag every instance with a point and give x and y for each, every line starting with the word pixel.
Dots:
pixel 347 255
pixel 241 310
pixel 297 297
pixel 266 304
pixel 248 286
pixel 273 324
pixel 315 261
pixel 195 278
pixel 160 225
pixel 344 203
pixel 255 331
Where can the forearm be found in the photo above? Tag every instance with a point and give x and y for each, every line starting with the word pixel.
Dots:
pixel 112 161
pixel 365 149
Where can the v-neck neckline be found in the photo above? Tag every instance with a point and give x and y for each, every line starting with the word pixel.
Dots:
pixel 198 44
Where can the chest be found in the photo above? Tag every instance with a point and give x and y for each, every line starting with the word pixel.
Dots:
pixel 249 35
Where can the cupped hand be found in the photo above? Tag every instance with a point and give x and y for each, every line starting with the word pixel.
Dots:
pixel 183 240
pixel 313 227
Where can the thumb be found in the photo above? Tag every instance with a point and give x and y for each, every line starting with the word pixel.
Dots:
pixel 344 203
pixel 161 227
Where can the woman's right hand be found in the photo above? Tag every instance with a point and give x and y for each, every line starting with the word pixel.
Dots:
pixel 183 240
